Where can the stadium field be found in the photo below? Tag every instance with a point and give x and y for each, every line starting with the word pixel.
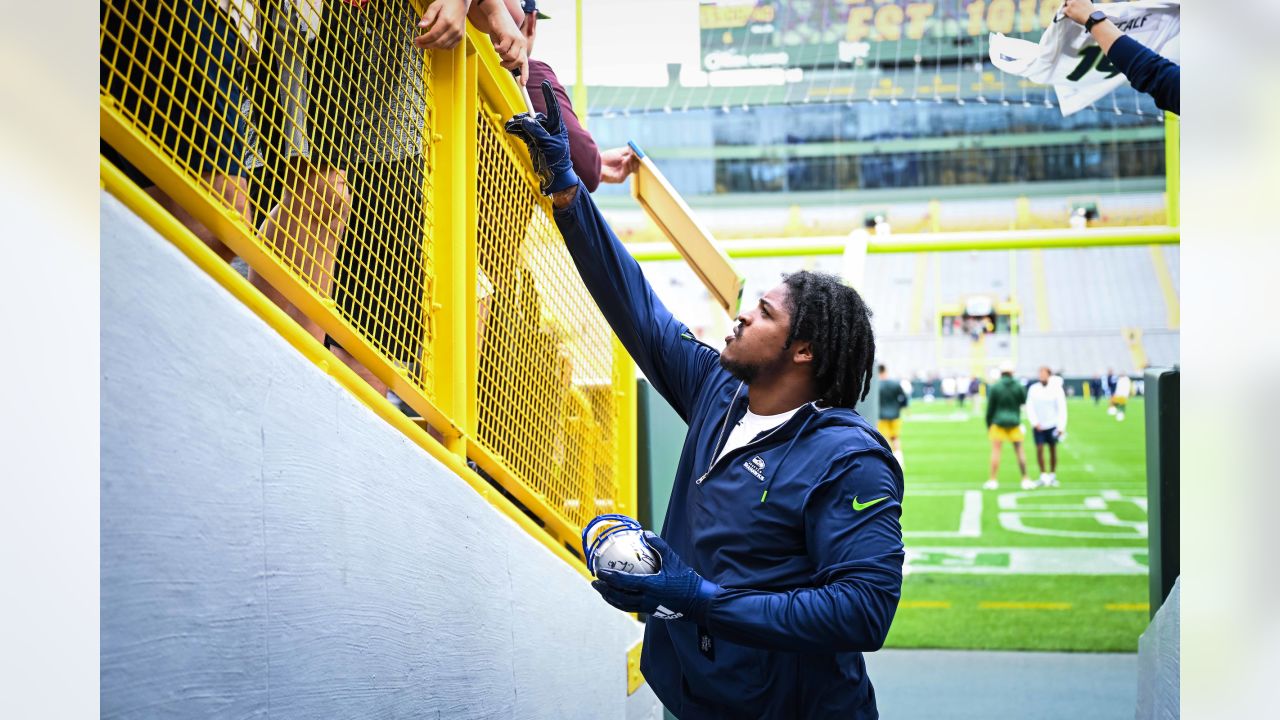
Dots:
pixel 1048 569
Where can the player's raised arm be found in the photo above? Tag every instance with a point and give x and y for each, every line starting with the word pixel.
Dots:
pixel 661 345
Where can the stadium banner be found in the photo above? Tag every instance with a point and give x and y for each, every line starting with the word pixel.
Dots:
pixel 740 34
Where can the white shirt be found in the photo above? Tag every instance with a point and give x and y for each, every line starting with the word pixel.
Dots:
pixel 1122 386
pixel 1047 406
pixel 1059 59
pixel 752 425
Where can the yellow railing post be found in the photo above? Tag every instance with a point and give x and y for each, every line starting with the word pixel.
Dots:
pixel 454 236
pixel 625 466
pixel 580 82
pixel 469 141
pixel 1172 167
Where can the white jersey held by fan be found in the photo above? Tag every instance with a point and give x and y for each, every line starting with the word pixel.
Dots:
pixel 1068 58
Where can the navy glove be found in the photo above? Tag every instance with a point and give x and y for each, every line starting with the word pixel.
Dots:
pixel 675 591
pixel 548 141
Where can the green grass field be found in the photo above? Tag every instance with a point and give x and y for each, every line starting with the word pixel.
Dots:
pixel 1048 569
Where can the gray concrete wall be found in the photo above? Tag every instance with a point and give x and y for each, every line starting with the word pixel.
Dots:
pixel 271 548
pixel 1160 661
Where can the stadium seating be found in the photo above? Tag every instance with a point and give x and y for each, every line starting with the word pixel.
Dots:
pixel 1092 298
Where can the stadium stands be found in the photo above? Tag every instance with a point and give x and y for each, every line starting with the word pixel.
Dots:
pixel 1091 297
pixel 1103 288
pixel 1078 306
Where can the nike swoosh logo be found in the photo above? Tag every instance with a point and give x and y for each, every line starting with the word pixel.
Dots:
pixel 863 506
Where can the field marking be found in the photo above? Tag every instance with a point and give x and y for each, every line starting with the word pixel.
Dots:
pixel 1002 605
pixel 1018 605
pixel 1094 504
pixel 1025 561
pixel 1092 485
pixel 1013 523
pixel 970 517
pixel 1024 512
pixel 1115 496
pixel 1123 607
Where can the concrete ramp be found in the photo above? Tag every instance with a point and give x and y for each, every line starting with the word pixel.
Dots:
pixel 271 548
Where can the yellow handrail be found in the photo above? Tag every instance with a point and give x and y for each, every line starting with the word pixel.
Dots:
pixel 929 242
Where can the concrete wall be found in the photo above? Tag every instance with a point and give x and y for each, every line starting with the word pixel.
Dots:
pixel 270 547
pixel 1160 660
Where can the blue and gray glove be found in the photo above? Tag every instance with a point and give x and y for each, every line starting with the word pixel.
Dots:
pixel 548 141
pixel 675 591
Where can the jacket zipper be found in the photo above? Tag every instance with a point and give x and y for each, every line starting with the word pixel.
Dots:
pixel 736 451
pixel 724 424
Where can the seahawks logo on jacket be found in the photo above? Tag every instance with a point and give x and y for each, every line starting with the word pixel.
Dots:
pixel 755 466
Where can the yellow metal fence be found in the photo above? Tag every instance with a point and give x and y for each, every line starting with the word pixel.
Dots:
pixel 369 185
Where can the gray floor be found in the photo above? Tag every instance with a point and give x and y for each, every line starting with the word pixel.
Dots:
pixel 962 684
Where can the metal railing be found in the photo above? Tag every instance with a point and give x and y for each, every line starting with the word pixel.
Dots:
pixel 370 185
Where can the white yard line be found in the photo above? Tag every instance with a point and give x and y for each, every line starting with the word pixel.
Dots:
pixel 1013 522
pixel 970 517
pixel 1020 511
pixel 945 488
pixel 1039 512
pixel 1026 561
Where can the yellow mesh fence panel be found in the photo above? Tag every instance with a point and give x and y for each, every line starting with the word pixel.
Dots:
pixel 545 400
pixel 311 124
pixel 308 119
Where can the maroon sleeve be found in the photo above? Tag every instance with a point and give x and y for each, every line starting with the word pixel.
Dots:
pixel 583 150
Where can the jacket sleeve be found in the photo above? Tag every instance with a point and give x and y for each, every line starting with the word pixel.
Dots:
pixel 1062 410
pixel 1147 71
pixel 667 353
pixel 991 406
pixel 858 556
pixel 1031 407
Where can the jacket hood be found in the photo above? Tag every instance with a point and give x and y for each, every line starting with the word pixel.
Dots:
pixel 812 419
pixel 825 417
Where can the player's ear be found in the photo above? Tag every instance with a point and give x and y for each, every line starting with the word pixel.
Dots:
pixel 801 352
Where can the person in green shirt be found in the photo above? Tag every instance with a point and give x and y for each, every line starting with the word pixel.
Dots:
pixel 1005 399
pixel 892 400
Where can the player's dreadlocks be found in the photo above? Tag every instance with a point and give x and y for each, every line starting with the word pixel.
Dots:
pixel 833 319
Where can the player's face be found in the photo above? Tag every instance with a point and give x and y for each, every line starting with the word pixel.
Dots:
pixel 759 338
pixel 1044 375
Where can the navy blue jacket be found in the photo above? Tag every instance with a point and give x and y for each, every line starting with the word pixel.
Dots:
pixel 1147 71
pixel 810 582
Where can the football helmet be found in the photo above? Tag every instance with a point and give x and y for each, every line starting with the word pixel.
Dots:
pixel 617 542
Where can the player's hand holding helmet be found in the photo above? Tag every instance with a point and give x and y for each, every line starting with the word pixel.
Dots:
pixel 674 591
pixel 548 142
